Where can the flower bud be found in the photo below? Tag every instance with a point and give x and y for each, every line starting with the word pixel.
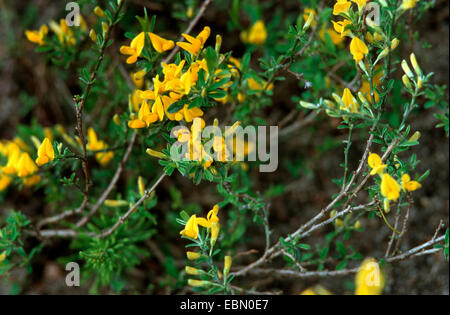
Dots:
pixel 197 283
pixel 190 12
pixel 218 43
pixel 419 82
pixel 386 205
pixel 308 105
pixel 193 255
pixel 415 136
pixel 116 120
pixel 156 154
pixel 3 256
pixel 363 67
pixel 415 65
pixel 141 186
pixel 36 142
pixel 382 54
pixel 105 28
pixel 93 35
pixel 193 271
pixel 407 70
pixel 308 21
pixel 99 12
pixel 394 43
pixel 116 203
pixel 227 265
pixel 215 229
pixel 357 225
pixel 363 100
pixel 406 82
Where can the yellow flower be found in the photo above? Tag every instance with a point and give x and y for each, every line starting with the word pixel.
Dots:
pixel 145 117
pixel 257 34
pixel 341 6
pixel 408 4
pixel 361 4
pixel 351 105
pixel 191 228
pixel 45 153
pixel 63 31
pixel 138 78
pixel 99 12
pixel 135 48
pixel 408 184
pixel 335 37
pixel 211 218
pixel 389 187
pixel 160 44
pixel 37 36
pixel 96 145
pixel 376 164
pixel 193 255
pixel 369 278
pixel 2 256
pixel 358 49
pixel 340 27
pixel 13 158
pixel 254 85
pixel 5 180
pixel 158 108
pixel 26 169
pixel 365 87
pixel 195 44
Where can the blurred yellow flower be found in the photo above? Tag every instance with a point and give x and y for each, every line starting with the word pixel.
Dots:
pixel 37 37
pixel 340 27
pixel 257 34
pixel 389 187
pixel 369 278
pixel 341 6
pixel 408 184
pixel 135 48
pixel 45 153
pixel 97 145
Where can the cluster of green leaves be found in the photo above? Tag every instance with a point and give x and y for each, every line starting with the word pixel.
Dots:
pixel 12 244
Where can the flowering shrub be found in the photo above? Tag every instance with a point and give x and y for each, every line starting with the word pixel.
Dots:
pixel 146 115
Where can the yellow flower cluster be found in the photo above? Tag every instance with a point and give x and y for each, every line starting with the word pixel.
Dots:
pixel 94 144
pixel 357 46
pixel 63 32
pixel 211 222
pixel 390 188
pixel 20 164
pixel 256 35
pixel 191 230
pixel 152 105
